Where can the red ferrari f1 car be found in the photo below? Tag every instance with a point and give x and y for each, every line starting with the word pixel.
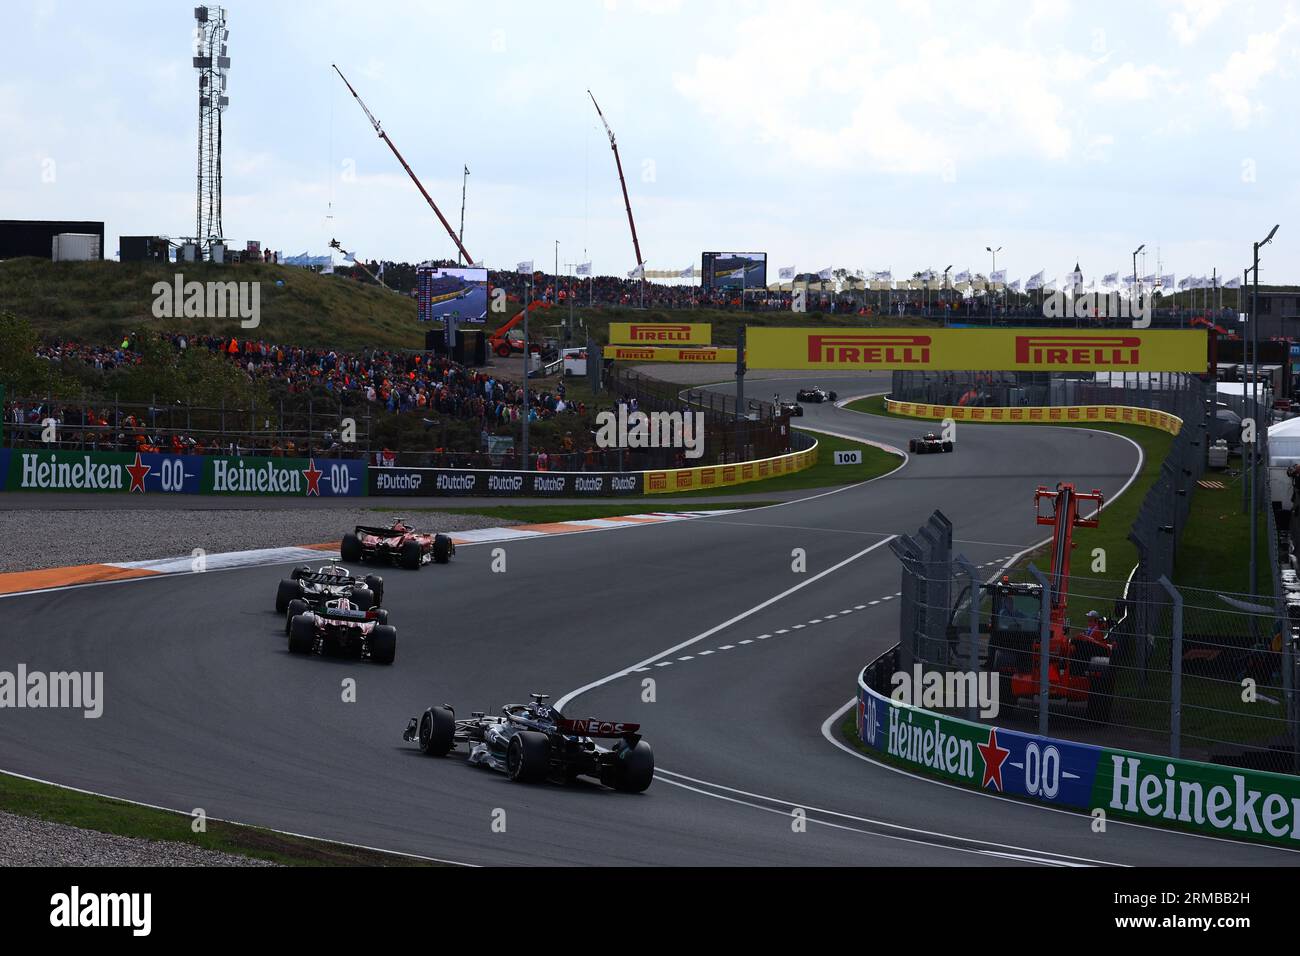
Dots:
pixel 397 544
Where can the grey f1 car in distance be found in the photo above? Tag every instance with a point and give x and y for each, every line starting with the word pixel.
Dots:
pixel 534 742
pixel 815 394
pixel 927 443
pixel 328 583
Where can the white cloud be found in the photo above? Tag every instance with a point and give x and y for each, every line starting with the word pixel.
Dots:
pixel 1241 75
pixel 899 104
pixel 1129 82
pixel 1192 17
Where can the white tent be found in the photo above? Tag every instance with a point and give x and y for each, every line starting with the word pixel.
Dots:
pixel 1283 451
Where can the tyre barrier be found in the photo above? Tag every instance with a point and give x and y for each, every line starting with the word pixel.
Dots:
pixel 1210 799
pixel 1039 414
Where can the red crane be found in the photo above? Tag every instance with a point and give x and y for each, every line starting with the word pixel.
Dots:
pixel 636 245
pixel 418 185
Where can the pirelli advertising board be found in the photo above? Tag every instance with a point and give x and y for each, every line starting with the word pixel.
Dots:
pixel 1012 350
pixel 687 356
pixel 659 333
pixel 719 476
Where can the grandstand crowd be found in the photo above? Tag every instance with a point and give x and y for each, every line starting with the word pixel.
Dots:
pixel 397 381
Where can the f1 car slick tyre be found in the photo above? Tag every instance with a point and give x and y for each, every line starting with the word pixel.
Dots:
pixel 437 731
pixel 528 757
pixel 350 548
pixel 443 548
pixel 383 644
pixel 376 585
pixel 296 606
pixel 411 555
pixel 635 768
pixel 947 446
pixel 302 634
pixel 363 598
pixel 286 592
pixel 381 615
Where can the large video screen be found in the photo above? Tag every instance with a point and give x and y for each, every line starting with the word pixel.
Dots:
pixel 460 294
pixel 734 270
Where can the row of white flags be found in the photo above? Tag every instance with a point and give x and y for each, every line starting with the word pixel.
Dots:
pixel 998 277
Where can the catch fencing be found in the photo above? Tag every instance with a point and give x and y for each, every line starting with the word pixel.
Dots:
pixel 1199 674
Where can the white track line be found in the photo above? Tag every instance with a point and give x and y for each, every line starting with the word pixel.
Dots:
pixel 251 826
pixel 563 701
pixel 1000 848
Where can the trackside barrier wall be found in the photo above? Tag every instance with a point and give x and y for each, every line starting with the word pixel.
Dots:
pixel 1161 791
pixel 581 484
pixel 1045 415
pixel 156 473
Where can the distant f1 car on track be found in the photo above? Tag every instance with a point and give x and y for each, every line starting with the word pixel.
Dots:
pixel 927 443
pixel 534 742
pixel 341 630
pixel 790 408
pixel 815 394
pixel 327 583
pixel 397 544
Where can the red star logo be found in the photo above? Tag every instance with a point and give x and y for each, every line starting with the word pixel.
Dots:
pixel 138 472
pixel 993 757
pixel 313 478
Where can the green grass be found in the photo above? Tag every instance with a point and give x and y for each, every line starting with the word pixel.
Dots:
pixel 98 302
pixel 46 802
pixel 871 405
pixel 1216 540
pixel 549 514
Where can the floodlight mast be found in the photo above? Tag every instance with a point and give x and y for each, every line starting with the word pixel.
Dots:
pixel 636 245
pixel 415 179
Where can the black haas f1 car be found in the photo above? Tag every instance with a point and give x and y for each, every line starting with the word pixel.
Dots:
pixel 928 443
pixel 815 394
pixel 535 742
pixel 340 629
pixel 328 583
pixel 790 408
pixel 397 544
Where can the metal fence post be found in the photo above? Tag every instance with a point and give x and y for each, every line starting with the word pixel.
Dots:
pixel 1175 670
pixel 973 633
pixel 1044 647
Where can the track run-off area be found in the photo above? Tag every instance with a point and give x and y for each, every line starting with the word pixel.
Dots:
pixel 751 665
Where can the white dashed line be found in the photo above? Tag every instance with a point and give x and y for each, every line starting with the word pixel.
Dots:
pixel 703 653
pixel 726 647
pixel 688 657
pixel 664 664
pixel 763 637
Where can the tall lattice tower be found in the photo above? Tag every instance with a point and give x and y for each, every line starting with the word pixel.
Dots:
pixel 212 63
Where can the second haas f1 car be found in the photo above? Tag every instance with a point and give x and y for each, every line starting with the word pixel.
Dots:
pixel 397 544
pixel 340 629
pixel 328 583
pixel 928 443
pixel 533 742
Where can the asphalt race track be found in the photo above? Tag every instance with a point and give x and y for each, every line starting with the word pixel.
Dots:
pixel 204 707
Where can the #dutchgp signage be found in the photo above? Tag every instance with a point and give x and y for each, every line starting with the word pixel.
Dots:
pixel 454 482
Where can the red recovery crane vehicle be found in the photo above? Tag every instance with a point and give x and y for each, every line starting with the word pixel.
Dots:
pixel 1079 664
pixel 503 343
pixel 618 163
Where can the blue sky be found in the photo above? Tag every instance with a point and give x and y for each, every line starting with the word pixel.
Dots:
pixel 908 135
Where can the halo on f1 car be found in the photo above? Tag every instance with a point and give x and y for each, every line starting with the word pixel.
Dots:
pixel 533 742
pixel 398 544
pixel 327 583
